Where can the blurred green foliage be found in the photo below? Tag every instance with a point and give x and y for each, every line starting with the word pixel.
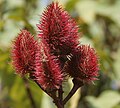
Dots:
pixel 99 22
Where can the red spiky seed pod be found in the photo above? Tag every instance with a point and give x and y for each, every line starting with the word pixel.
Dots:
pixel 48 73
pixel 23 53
pixel 84 64
pixel 59 30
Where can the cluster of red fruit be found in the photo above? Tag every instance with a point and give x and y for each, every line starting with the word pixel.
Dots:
pixel 58 53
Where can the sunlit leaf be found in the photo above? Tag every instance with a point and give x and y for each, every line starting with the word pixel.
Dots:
pixel 108 99
pixel 89 7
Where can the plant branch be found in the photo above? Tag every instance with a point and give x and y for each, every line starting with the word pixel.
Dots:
pixel 52 95
pixel 42 88
pixel 33 78
pixel 60 95
pixel 77 85
pixel 29 92
pixel 56 100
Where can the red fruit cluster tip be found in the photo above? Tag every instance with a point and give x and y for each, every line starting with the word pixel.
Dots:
pixel 58 48
pixel 84 64
pixel 23 52
pixel 59 30
pixel 48 73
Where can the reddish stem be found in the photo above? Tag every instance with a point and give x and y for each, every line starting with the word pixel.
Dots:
pixel 60 93
pixel 56 100
pixel 60 96
pixel 77 85
pixel 58 103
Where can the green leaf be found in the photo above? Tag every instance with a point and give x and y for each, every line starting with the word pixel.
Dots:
pixel 87 10
pixel 117 65
pixel 108 99
pixel 17 14
pixel 18 94
pixel 70 4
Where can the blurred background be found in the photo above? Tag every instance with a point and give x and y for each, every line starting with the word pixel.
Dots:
pixel 99 22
